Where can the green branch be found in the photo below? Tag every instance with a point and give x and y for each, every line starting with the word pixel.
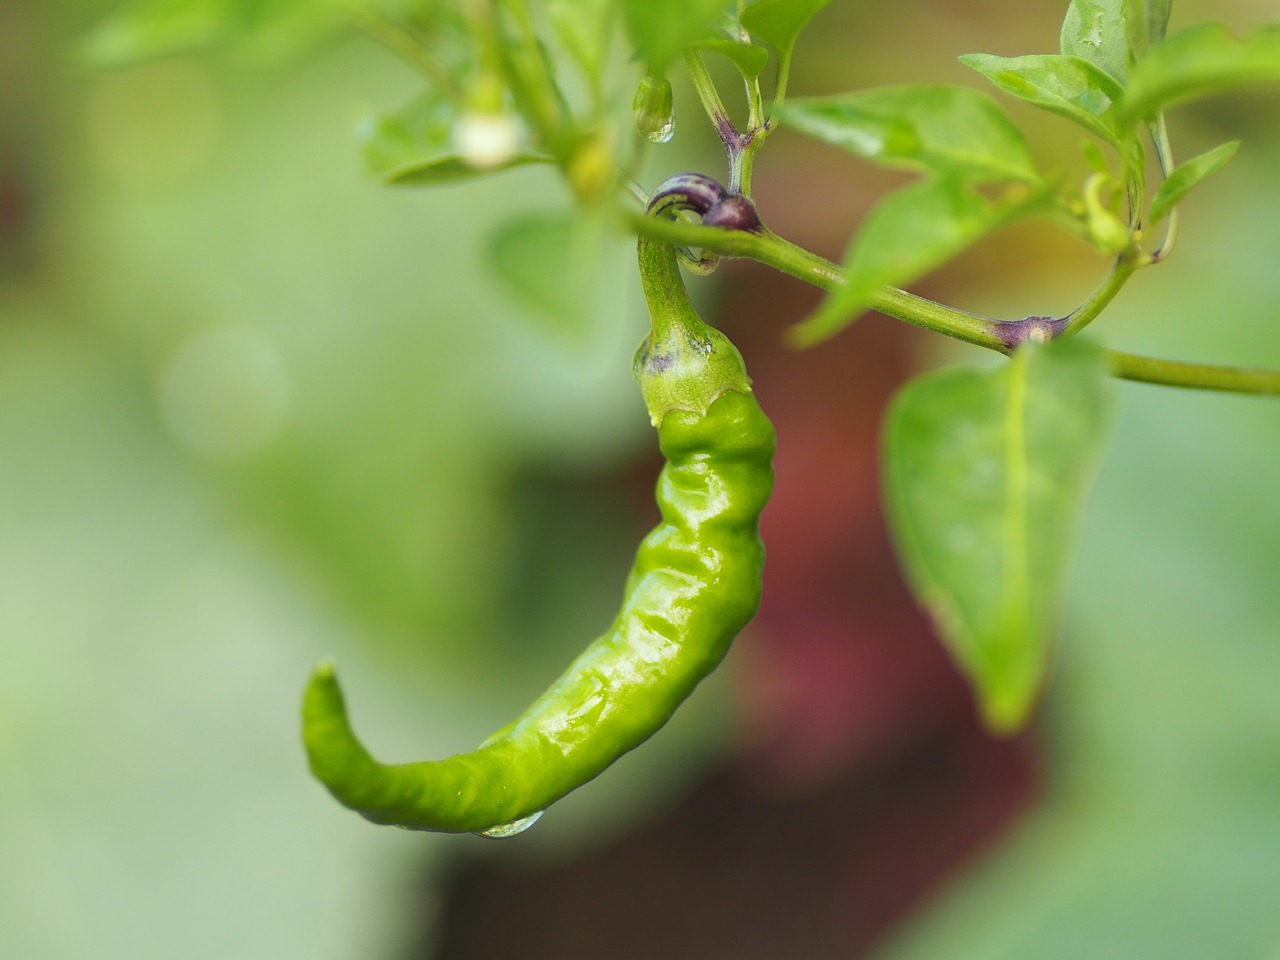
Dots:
pixel 1194 376
pixel 783 255
pixel 1115 279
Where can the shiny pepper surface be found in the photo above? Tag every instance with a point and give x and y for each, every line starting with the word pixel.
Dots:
pixel 695 583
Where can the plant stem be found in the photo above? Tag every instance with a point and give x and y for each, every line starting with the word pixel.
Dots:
pixel 710 98
pixel 783 255
pixel 1164 151
pixel 741 148
pixel 784 74
pixel 1120 272
pixel 1194 376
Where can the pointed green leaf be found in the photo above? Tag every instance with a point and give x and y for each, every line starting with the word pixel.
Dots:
pixel 1065 85
pixel 910 232
pixel 951 131
pixel 779 22
pixel 663 29
pixel 986 474
pixel 1095 30
pixel 416 145
pixel 749 58
pixel 1186 176
pixel 1199 62
pixel 1146 21
pixel 547 263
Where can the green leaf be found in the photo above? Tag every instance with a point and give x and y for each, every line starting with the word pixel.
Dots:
pixel 909 233
pixel 663 29
pixel 986 475
pixel 951 131
pixel 1199 62
pixel 584 29
pixel 1095 30
pixel 1065 85
pixel 1094 157
pixel 1186 176
pixel 749 58
pixel 1146 21
pixel 157 28
pixel 264 31
pixel 416 146
pixel 779 22
pixel 546 262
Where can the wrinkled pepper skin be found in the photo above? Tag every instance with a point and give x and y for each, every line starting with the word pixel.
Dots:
pixel 695 583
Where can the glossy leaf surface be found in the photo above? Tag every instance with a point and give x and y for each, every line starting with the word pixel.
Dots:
pixel 1065 85
pixel 1095 30
pixel 779 22
pixel 985 475
pixel 951 131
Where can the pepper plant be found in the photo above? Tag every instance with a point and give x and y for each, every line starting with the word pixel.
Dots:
pixel 986 471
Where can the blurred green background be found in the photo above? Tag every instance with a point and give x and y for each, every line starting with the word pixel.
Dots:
pixel 255 410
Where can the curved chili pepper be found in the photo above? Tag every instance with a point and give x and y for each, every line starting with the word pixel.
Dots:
pixel 695 583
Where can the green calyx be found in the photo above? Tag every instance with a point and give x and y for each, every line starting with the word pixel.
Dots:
pixel 683 364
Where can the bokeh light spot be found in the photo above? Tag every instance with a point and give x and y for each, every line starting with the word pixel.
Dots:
pixel 225 393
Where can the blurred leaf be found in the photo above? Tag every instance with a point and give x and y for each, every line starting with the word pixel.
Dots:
pixel 1186 176
pixel 985 477
pixel 266 30
pixel 1146 21
pixel 1065 85
pixel 415 146
pixel 1199 62
pixel 1094 157
pixel 1095 30
pixel 951 131
pixel 663 29
pixel 547 263
pixel 779 22
pixel 749 58
pixel 909 233
pixel 157 28
pixel 583 28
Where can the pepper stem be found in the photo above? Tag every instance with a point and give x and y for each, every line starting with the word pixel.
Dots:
pixel 683 364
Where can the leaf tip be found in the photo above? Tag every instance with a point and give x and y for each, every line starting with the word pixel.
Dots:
pixel 802 336
pixel 1006 709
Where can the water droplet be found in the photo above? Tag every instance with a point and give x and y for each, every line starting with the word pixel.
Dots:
pixel 504 830
pixel 655 110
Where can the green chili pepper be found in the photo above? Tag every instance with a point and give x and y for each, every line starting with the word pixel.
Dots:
pixel 695 583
